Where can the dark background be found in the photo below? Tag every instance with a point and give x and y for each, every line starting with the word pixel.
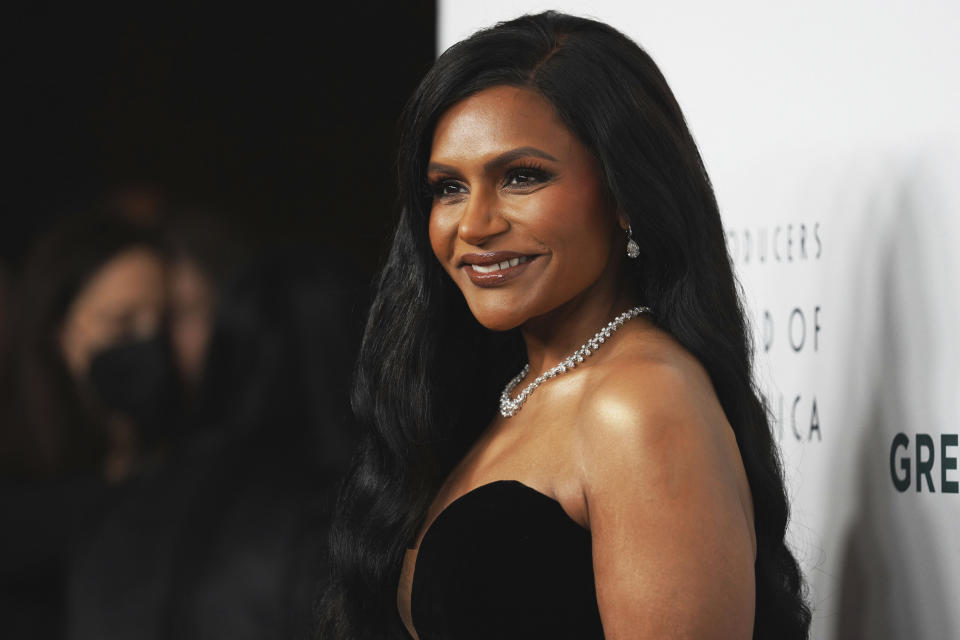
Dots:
pixel 284 122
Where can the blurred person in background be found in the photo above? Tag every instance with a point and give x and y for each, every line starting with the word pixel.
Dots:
pixel 229 540
pixel 203 253
pixel 88 394
pixel 87 376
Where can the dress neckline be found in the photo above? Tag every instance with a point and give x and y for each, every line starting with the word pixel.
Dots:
pixel 458 502
pixel 485 486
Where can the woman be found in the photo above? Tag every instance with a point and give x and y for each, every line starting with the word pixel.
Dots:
pixel 87 370
pixel 86 387
pixel 227 540
pixel 549 185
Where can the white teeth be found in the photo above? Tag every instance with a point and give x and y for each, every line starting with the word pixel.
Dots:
pixel 499 266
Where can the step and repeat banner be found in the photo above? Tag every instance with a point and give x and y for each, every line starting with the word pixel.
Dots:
pixel 831 132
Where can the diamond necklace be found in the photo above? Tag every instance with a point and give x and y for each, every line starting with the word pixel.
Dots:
pixel 509 407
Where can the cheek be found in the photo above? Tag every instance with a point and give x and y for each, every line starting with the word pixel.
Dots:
pixel 578 233
pixel 79 338
pixel 442 231
pixel 71 347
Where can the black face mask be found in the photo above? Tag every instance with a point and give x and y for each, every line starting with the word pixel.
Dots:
pixel 139 379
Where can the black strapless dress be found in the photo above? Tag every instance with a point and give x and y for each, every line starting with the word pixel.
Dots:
pixel 505 561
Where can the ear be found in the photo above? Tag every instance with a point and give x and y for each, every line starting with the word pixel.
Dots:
pixel 622 219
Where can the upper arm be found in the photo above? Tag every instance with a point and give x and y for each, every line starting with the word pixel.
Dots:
pixel 672 550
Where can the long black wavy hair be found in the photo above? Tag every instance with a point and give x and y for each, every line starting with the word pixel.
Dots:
pixel 421 409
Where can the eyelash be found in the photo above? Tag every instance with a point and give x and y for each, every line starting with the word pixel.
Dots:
pixel 531 170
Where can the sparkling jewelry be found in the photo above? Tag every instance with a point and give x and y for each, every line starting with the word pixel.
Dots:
pixel 633 249
pixel 509 407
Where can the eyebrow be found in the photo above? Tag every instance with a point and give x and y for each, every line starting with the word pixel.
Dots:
pixel 495 163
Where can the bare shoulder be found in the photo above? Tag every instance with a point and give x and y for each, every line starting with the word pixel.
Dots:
pixel 653 391
pixel 665 496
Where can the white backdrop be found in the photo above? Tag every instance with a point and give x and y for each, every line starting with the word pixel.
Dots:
pixel 832 136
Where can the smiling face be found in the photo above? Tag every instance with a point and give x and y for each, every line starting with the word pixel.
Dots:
pixel 520 217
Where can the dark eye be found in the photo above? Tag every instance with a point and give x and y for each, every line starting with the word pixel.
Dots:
pixel 442 188
pixel 449 188
pixel 526 176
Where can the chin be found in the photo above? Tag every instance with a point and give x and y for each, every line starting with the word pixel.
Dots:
pixel 497 316
pixel 498 323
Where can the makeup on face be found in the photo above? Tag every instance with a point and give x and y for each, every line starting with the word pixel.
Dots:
pixel 520 218
pixel 494 268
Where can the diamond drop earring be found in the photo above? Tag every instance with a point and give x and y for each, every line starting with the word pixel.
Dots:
pixel 633 249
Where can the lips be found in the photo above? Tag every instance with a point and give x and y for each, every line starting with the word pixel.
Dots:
pixel 495 268
pixel 498 266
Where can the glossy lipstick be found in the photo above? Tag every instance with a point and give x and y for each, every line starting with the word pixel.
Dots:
pixel 494 268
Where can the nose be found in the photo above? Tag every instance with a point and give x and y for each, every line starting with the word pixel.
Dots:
pixel 481 220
